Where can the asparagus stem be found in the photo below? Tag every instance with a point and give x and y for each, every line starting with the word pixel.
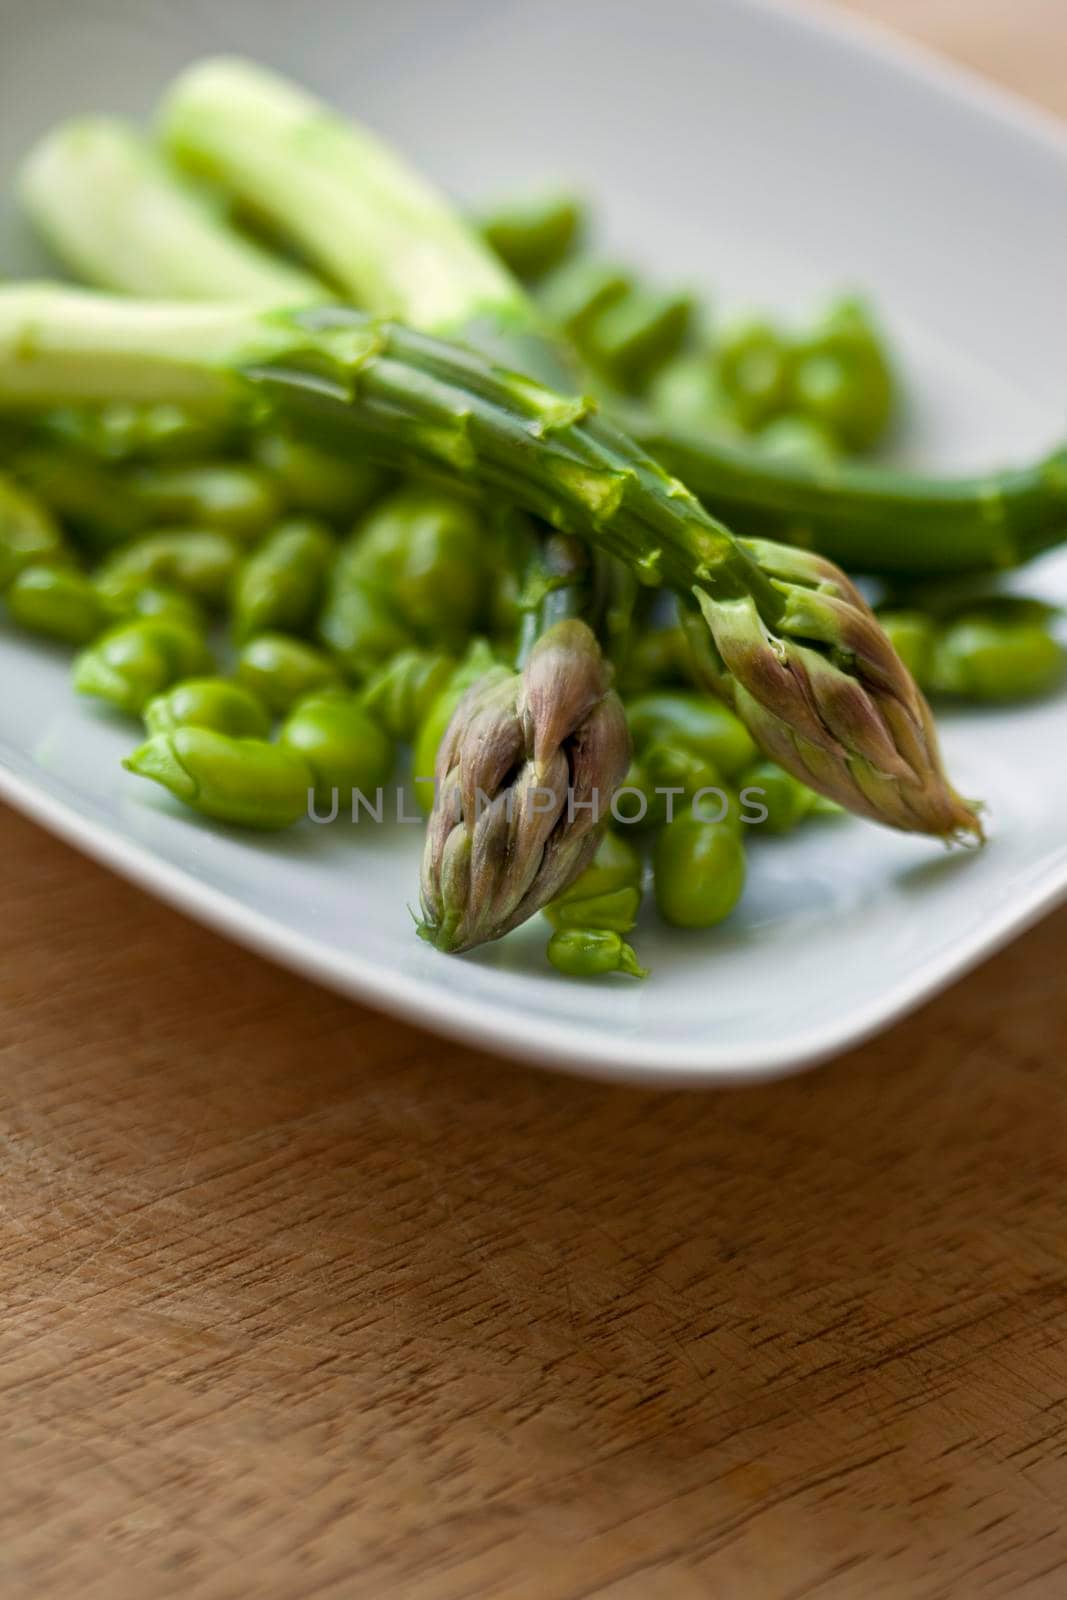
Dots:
pixel 112 211
pixel 875 519
pixel 794 644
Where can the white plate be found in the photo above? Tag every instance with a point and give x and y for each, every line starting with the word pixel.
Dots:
pixel 776 151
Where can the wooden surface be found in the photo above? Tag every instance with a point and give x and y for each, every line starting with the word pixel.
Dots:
pixel 298 1302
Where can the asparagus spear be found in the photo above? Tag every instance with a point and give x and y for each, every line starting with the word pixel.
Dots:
pixel 526 771
pixel 105 201
pixel 869 519
pixel 788 636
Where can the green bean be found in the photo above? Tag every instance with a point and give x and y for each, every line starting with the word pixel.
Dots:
pixel 58 602
pixel 399 695
pixel 245 781
pixel 705 725
pixel 532 235
pixel 282 670
pixel 316 481
pixel 346 750
pixel 136 660
pixel 29 535
pixel 911 633
pixel 214 703
pixel 636 334
pixel 755 365
pixel 798 438
pixel 698 872
pixel 196 561
pixel 592 953
pixel 426 551
pixel 841 377
pixel 230 497
pixel 981 658
pixel 782 797
pixel 575 294
pixel 282 583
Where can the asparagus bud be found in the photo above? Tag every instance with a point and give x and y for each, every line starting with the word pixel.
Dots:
pixel 525 777
pixel 828 697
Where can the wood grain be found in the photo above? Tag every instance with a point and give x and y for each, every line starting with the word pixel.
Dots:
pixel 298 1302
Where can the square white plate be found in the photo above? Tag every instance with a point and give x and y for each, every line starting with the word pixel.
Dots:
pixel 769 150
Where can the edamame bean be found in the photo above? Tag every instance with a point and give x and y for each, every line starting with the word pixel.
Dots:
pixel 132 662
pixel 281 585
pixel 533 235
pixel 245 781
pixel 29 534
pixel 400 694
pixel 425 551
pixel 196 561
pixel 841 377
pixel 912 634
pixel 592 953
pixel 755 364
pixel 230 497
pixel 316 481
pixel 282 670
pixel 981 658
pixel 345 749
pixel 698 871
pixel 785 800
pixel 208 703
pixel 58 602
pixel 696 720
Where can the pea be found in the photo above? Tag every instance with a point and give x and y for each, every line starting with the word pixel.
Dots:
pixel 245 781
pixel 698 872
pixel 342 745
pixel 281 670
pixel 592 953
pixel 208 703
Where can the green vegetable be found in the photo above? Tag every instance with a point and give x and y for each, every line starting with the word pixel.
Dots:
pixel 698 871
pixel 127 432
pixel 637 805
pixel 131 596
pixel 57 602
pixel 281 584
pixel 29 535
pixel 982 658
pixel 686 778
pixel 533 235
pixel 911 633
pixel 842 379
pixel 755 364
pixel 244 781
pixel 214 703
pixel 708 728
pixel 786 801
pixel 616 911
pixel 658 659
pixel 576 294
pixel 475 664
pixel 400 694
pixel 313 481
pixel 344 747
pixel 358 623
pixel 592 953
pixel 606 895
pixel 633 336
pixel 113 211
pixel 231 498
pixel 281 670
pixel 136 660
pixel 425 551
pixel 798 438
pixel 195 561
pixel 686 393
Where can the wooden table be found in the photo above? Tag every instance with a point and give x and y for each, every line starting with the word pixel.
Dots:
pixel 300 1302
